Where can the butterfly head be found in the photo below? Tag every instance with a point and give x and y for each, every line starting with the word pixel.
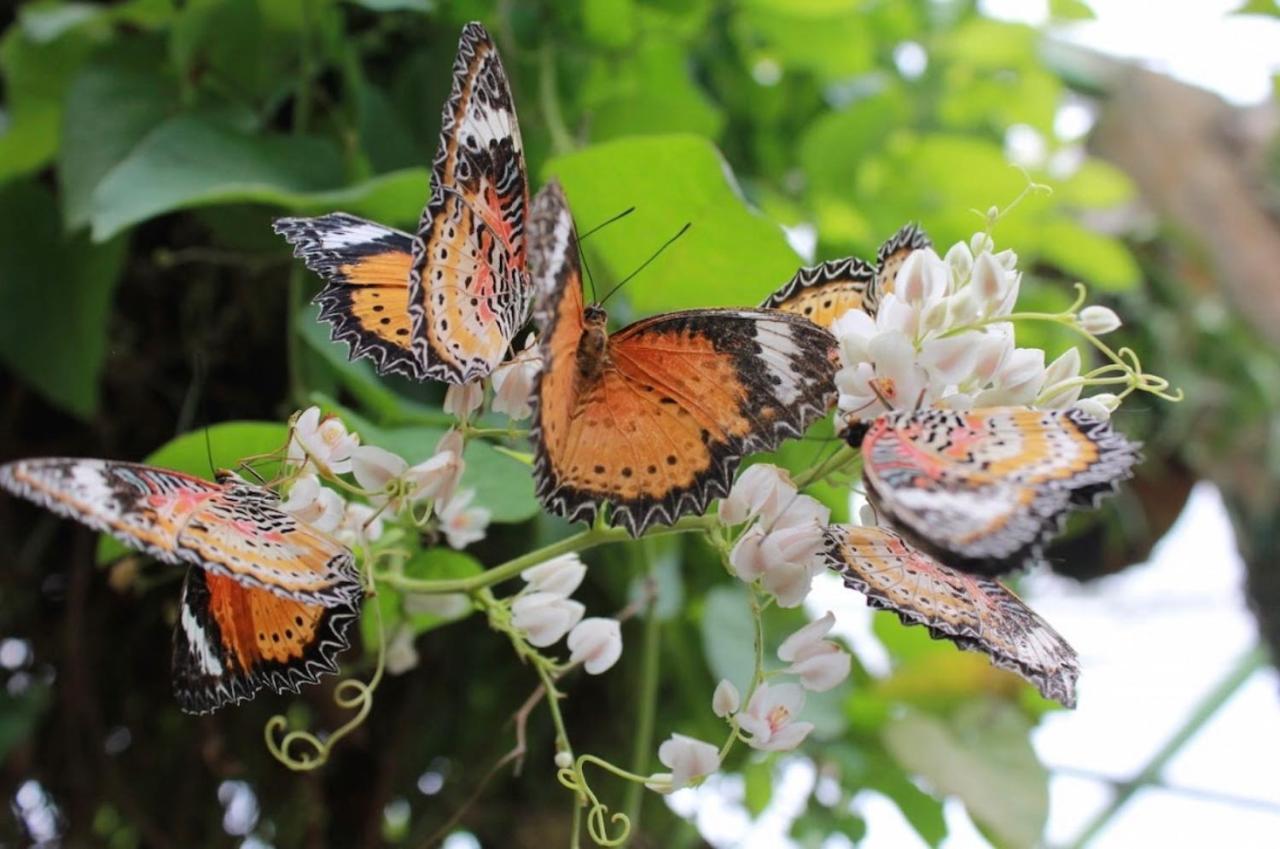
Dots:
pixel 594 343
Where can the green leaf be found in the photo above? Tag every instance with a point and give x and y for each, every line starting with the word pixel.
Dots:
pixel 197 159
pixel 422 612
pixel 648 91
pixel 757 777
pixel 1073 10
pixel 1270 8
pixel 829 40
pixel 731 255
pixel 609 23
pixel 981 754
pixel 111 105
pixel 728 635
pixel 1098 261
pixel 835 144
pixel 19 714
pixel 1096 184
pixel 55 299
pixel 227 443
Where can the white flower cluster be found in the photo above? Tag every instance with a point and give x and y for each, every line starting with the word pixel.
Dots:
pixel 512 387
pixel 780 549
pixel 770 722
pixel 545 613
pixel 936 339
pixel 323 446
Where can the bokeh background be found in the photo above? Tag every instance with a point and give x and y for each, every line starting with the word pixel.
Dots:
pixel 145 147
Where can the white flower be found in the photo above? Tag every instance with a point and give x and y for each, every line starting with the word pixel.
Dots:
pixel 1098 320
pixel 596 643
pixel 990 283
pixel 463 399
pixel 1017 382
pixel 318 506
pixel 725 700
pixel 770 718
pixel 688 759
pixel 376 469
pixel 560 575
pixel 451 447
pixel 922 279
pixel 545 617
pixel 1059 390
pixel 994 345
pixel 513 381
pixel 323 443
pixel 361 524
pixel 854 330
pixel 960 260
pixel 1093 408
pixel 951 359
pixel 788 581
pixel 563 760
pixel 401 654
pixel 461 523
pixel 746 558
pixel 820 664
pixel 762 490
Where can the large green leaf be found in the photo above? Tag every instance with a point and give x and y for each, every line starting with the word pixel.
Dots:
pixel 435 564
pixel 55 298
pixel 731 256
pixel 983 755
pixel 648 91
pixel 224 445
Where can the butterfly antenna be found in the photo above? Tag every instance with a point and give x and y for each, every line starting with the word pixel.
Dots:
pixel 591 281
pixel 208 451
pixel 621 215
pixel 645 264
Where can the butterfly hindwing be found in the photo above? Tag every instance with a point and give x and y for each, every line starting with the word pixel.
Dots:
pixel 984 490
pixel 232 640
pixel 469 286
pixel 974 612
pixel 365 299
pixel 822 293
pixel 654 420
pixel 889 259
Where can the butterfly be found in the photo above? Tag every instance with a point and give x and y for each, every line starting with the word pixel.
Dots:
pixel 984 490
pixel 654 419
pixel 824 292
pixel 976 613
pixel 445 303
pixel 266 601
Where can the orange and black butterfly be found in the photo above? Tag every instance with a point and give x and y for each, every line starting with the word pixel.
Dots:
pixel 824 292
pixel 445 303
pixel 976 613
pixel 267 600
pixel 984 490
pixel 654 419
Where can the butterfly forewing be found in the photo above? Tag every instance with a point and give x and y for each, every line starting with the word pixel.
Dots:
pixel 889 259
pixel 974 612
pixel 469 288
pixel 654 420
pixel 232 640
pixel 823 293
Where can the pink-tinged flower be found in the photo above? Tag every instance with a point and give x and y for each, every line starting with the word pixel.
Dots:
pixel 799 511
pixel 922 279
pixel 596 643
pixel 323 443
pixel 1098 320
pixel 513 381
pixel 854 330
pixel 461 523
pixel 361 524
pixel 688 759
pixel 1018 381
pixel 318 506
pixel 545 617
pixel 894 315
pixel 761 490
pixel 960 260
pixel 560 575
pixel 994 344
pixel 463 399
pixel 820 664
pixel 377 470
pixel 770 718
pixel 401 655
pixel 451 446
pixel 746 558
pixel 990 284
pixel 854 385
pixel 951 359
pixel 1059 392
pixel 725 700
pixel 788 581
pixel 899 379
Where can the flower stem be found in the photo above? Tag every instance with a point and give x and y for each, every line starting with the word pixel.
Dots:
pixel 835 462
pixel 648 697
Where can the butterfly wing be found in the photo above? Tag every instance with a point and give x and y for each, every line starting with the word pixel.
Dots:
pixel 143 507
pixel 365 299
pixel 232 640
pixel 975 613
pixel 469 286
pixel 889 259
pixel 823 293
pixel 984 490
pixel 245 536
pixel 656 422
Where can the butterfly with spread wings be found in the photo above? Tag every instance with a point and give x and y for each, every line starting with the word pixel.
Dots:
pixel 267 600
pixel 653 420
pixel 445 303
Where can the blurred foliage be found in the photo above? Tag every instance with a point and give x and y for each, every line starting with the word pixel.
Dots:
pixel 145 147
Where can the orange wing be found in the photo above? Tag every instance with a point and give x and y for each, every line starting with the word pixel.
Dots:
pixel 975 613
pixel 823 293
pixel 469 286
pixel 365 299
pixel 654 421
pixel 232 640
pixel 889 259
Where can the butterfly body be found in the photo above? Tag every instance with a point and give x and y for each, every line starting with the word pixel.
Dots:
pixel 984 490
pixel 653 420
pixel 267 599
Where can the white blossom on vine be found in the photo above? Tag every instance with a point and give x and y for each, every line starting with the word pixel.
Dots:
pixel 770 718
pixel 689 760
pixel 461 523
pixel 325 443
pixel 596 643
pixel 513 381
pixel 819 664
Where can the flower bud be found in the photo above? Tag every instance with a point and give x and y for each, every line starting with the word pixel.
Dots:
pixel 564 760
pixel 1093 408
pixel 1098 320
pixel 725 700
pixel 596 643
pixel 463 399
pixel 545 617
pixel 689 759
pixel 560 575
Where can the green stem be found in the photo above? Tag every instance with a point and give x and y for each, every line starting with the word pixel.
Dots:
pixel 648 696
pixel 835 462
pixel 549 100
pixel 301 122
pixel 578 542
pixel 1217 698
